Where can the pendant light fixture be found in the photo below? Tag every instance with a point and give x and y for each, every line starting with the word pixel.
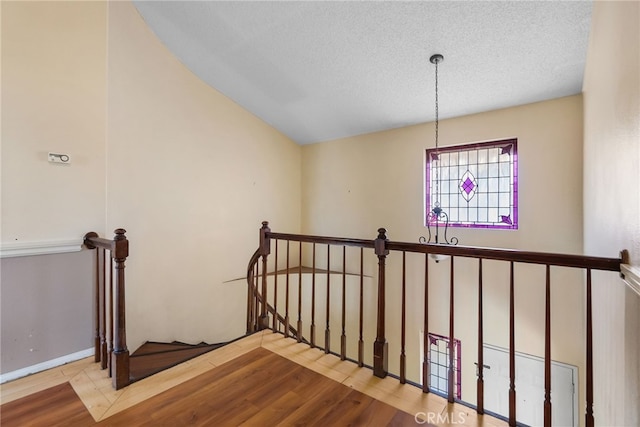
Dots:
pixel 437 217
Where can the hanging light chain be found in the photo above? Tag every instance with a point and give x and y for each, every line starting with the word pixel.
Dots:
pixel 437 118
pixel 437 215
pixel 435 59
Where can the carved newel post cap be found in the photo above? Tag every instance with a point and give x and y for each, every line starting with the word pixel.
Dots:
pixel 381 242
pixel 265 224
pixel 120 233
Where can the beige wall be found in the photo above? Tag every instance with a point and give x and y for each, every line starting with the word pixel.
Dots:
pixel 190 175
pixel 187 172
pixel 612 203
pixel 355 185
pixel 53 99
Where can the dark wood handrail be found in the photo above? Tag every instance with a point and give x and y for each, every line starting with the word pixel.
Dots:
pixel 543 258
pixel 363 243
pixel 92 241
pixel 119 245
pixel 258 305
pixel 111 339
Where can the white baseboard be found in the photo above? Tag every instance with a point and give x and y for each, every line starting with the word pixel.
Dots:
pixel 10 376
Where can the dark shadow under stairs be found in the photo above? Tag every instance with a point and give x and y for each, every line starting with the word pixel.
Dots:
pixel 154 357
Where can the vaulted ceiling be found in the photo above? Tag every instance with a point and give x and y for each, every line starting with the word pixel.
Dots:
pixel 321 70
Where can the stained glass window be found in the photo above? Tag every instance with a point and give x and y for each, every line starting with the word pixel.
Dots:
pixel 475 184
pixel 439 364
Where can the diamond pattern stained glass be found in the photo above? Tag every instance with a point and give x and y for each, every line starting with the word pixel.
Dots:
pixel 468 186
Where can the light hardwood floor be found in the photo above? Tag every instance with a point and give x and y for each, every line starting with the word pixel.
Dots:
pixel 94 388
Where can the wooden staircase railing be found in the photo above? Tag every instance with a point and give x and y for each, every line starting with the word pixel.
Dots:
pixel 110 334
pixel 261 304
pixel 255 300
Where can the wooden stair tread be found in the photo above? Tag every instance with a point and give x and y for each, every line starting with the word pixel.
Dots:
pixel 158 347
pixel 149 363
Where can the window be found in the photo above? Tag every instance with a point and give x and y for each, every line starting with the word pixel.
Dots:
pixel 439 364
pixel 475 184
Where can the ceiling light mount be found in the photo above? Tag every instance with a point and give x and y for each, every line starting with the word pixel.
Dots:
pixel 436 58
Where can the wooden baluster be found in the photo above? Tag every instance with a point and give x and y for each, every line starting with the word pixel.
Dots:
pixel 380 346
pixel 512 350
pixel 480 382
pixel 589 421
pixel 343 337
pixel 451 382
pixel 250 306
pixel 313 298
pixel 96 339
pixel 547 350
pixel 425 331
pixel 275 291
pixel 265 250
pixel 101 286
pixel 286 297
pixel 403 357
pixel 360 340
pixel 111 317
pixel 96 345
pixel 104 354
pixel 458 366
pixel 264 314
pixel 327 332
pixel 299 325
pixel 256 297
pixel 120 251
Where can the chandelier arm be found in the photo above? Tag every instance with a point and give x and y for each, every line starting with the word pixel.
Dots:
pixel 454 240
pixel 429 219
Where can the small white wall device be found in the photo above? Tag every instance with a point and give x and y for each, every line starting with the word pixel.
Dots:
pixel 59 158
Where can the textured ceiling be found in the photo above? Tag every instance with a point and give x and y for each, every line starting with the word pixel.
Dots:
pixel 324 70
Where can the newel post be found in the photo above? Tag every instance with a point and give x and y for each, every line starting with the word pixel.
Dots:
pixel 265 250
pixel 380 346
pixel 120 357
